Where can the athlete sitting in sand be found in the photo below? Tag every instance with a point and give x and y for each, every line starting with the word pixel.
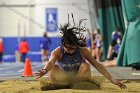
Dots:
pixel 71 57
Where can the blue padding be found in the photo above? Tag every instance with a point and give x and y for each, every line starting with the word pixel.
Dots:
pixel 34 56
pixel 9 44
pixel 9 58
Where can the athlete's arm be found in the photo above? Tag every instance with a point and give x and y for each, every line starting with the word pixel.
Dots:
pixel 49 65
pixel 98 66
pixel 85 52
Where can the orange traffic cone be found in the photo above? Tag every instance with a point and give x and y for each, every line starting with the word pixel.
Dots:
pixel 27 69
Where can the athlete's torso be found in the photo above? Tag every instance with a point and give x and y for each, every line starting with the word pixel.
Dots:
pixel 70 63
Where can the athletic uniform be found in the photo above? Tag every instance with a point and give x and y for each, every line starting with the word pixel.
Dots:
pixel 97 41
pixel 45 42
pixel 23 49
pixel 70 63
pixel 115 52
pixel 115 36
pixel 1 51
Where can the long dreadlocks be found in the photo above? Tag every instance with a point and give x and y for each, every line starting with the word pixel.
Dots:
pixel 72 35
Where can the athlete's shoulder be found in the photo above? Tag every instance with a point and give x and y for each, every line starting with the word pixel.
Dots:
pixel 56 51
pixel 83 49
pixel 113 32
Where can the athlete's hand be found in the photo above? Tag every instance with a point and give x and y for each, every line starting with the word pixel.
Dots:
pixel 118 83
pixel 40 73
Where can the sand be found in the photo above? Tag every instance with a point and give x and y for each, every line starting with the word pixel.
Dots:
pixel 28 86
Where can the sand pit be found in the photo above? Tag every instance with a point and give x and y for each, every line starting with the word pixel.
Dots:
pixel 27 86
pixel 91 84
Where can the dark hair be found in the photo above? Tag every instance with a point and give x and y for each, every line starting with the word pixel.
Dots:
pixel 118 29
pixel 72 35
pixel 45 34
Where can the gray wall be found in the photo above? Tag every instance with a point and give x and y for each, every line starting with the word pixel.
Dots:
pixel 15 15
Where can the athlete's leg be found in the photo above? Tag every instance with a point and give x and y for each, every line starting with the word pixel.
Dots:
pixel 109 51
pixel 43 55
pixel 93 53
pixel 109 63
pixel 84 71
pixel 46 55
pixel 98 54
pixel 57 75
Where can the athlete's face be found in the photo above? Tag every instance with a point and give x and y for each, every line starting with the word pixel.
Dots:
pixel 70 49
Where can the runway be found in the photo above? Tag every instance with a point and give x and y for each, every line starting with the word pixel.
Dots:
pixel 15 70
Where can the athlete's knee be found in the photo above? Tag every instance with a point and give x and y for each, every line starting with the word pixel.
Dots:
pixel 85 67
pixel 55 68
